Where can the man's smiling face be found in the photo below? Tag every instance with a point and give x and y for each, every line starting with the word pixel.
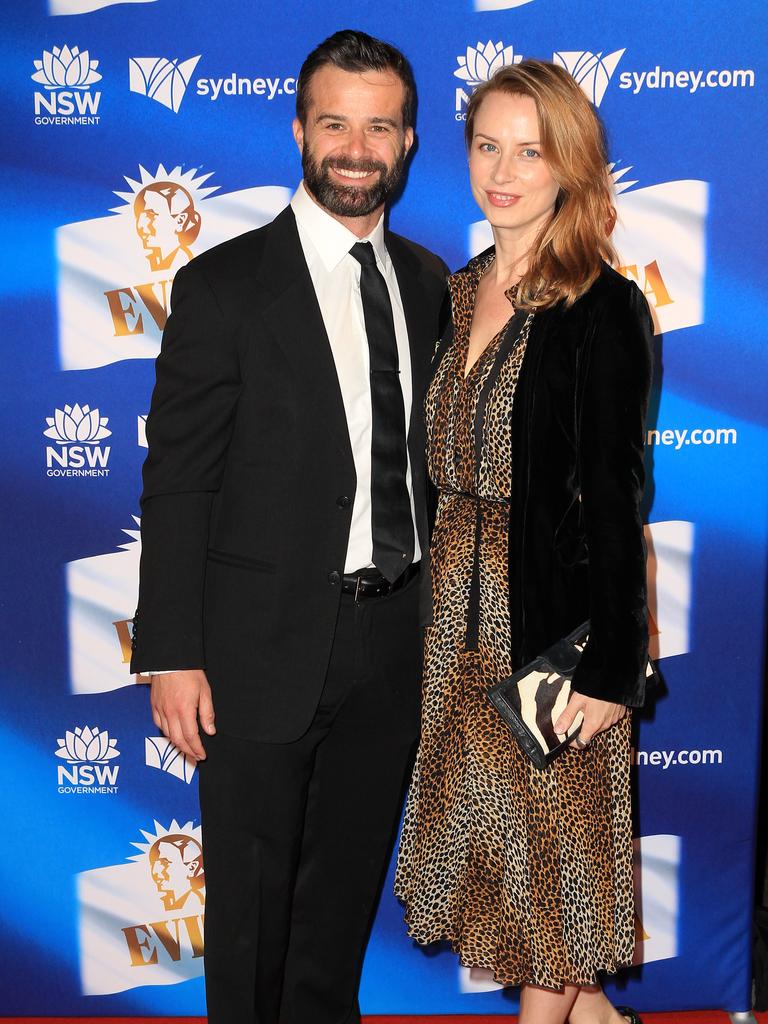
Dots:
pixel 353 144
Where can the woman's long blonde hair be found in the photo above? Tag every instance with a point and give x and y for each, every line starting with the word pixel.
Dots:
pixel 566 257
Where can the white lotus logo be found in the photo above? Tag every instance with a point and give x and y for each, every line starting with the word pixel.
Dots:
pixel 62 68
pixel 483 61
pixel 87 744
pixel 75 424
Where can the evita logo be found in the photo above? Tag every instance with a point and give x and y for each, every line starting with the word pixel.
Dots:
pixel 166 225
pixel 115 272
pixel 78 432
pixel 141 922
pixel 67 75
pixel 88 752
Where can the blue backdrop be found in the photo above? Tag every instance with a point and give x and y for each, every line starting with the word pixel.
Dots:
pixel 137 135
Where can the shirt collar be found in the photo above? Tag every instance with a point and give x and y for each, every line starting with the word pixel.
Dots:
pixel 330 239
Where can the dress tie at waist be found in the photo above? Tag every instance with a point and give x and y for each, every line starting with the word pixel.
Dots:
pixel 453 493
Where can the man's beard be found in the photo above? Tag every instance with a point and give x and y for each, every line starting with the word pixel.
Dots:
pixel 350 200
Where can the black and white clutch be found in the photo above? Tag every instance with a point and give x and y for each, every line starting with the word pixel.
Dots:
pixel 532 700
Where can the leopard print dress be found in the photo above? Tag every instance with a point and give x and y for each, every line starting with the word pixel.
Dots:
pixel 527 873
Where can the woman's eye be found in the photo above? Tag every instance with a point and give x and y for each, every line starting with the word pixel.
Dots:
pixel 531 152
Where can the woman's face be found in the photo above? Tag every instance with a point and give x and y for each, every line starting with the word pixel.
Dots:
pixel 510 179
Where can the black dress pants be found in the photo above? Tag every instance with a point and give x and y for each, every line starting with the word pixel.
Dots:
pixel 297 835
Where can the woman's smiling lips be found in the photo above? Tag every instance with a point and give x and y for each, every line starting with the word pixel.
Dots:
pixel 502 198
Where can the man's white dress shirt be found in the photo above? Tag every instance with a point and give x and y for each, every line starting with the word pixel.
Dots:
pixel 336 279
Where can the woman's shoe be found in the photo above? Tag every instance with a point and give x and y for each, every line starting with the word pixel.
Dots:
pixel 629 1014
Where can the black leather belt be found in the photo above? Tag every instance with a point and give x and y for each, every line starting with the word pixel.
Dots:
pixel 370 583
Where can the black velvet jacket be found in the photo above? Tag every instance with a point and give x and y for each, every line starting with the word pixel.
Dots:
pixel 576 545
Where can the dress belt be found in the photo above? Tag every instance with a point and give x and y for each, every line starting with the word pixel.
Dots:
pixel 370 583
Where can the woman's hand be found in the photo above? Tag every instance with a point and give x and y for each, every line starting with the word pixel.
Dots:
pixel 599 715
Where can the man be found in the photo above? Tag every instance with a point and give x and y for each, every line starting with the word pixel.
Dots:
pixel 284 529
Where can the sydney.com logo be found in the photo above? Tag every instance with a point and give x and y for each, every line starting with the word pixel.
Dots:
pixel 166 81
pixel 162 80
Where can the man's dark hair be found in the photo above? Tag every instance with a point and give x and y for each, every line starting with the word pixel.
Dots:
pixel 354 51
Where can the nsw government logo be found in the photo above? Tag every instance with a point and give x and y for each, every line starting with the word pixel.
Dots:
pixel 477 65
pixel 78 432
pixel 88 752
pixel 66 74
pixel 162 80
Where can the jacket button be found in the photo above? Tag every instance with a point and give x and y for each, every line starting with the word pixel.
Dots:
pixel 334 578
pixel 343 501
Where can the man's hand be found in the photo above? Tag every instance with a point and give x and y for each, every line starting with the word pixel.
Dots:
pixel 178 700
pixel 599 715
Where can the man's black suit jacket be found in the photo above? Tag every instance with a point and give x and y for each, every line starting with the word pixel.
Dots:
pixel 249 480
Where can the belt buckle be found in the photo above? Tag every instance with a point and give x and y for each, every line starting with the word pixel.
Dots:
pixel 357 589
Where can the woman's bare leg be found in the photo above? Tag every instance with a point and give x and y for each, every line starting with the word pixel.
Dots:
pixel 543 1006
pixel 573 1004
pixel 592 1006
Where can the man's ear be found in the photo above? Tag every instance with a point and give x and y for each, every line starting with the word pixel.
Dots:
pixel 408 139
pixel 298 133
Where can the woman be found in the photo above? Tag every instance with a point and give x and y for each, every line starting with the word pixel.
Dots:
pixel 535 419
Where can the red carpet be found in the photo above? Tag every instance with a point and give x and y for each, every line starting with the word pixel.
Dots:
pixel 694 1017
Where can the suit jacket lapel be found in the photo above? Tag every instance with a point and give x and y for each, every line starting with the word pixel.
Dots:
pixel 292 314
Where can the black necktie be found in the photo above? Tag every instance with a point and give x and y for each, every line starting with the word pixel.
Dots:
pixel 391 506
